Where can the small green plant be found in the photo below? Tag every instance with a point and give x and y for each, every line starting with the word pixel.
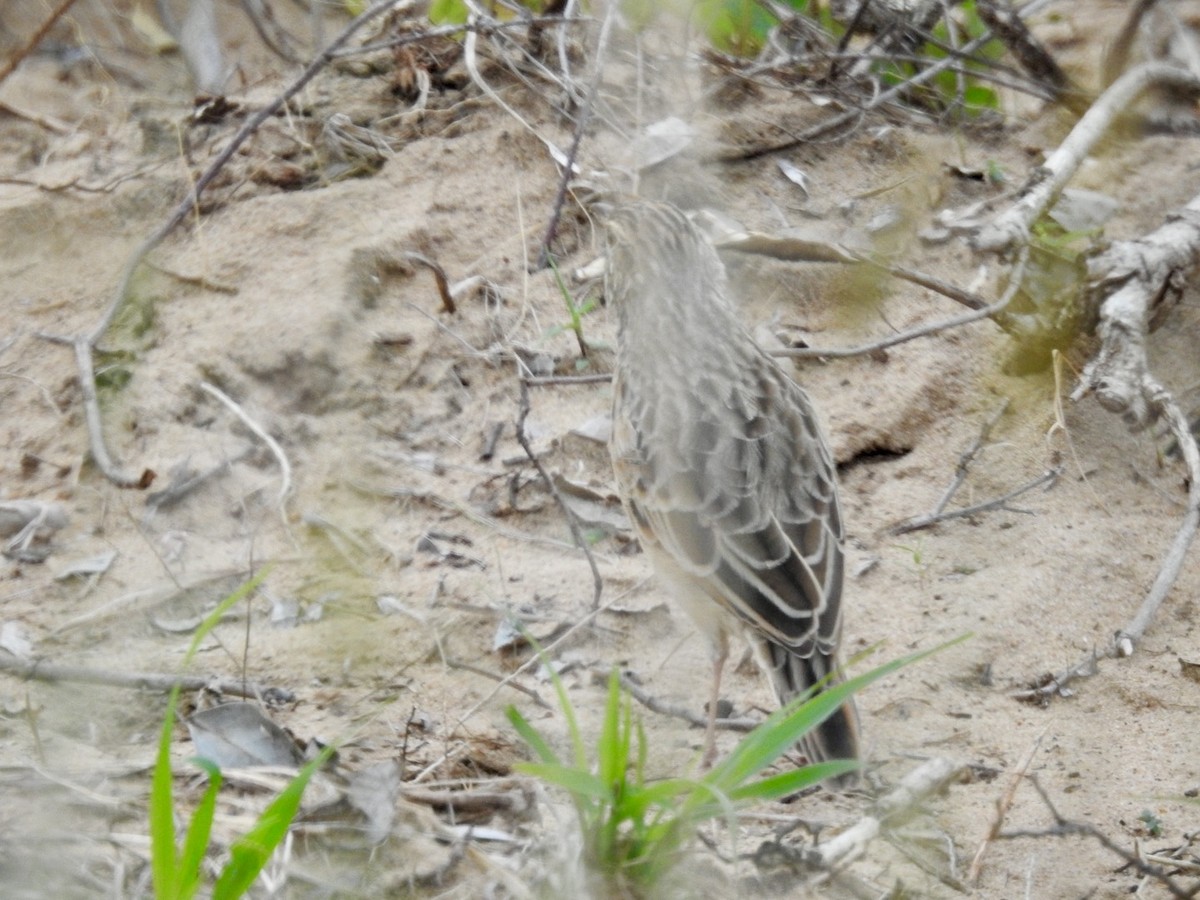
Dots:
pixel 634 829
pixel 919 560
pixel 737 27
pixel 455 12
pixel 1152 823
pixel 950 89
pixel 176 870
pixel 1049 310
pixel 574 323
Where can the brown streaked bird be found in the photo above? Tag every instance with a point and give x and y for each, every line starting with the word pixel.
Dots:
pixel 723 467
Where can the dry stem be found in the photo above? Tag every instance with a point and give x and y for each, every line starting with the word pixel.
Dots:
pixel 1012 227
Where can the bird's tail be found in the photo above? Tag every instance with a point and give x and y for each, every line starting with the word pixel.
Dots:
pixel 792 675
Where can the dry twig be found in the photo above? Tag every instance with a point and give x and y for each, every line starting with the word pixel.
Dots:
pixel 851 115
pixel 1066 828
pixel 1142 272
pixel 285 468
pixel 1048 477
pixel 144 681
pixel 652 703
pixel 502 679
pixel 85 344
pixel 928 779
pixel 976 315
pixel 1003 805
pixel 30 45
pixel 1012 227
pixel 585 114
pixel 572 523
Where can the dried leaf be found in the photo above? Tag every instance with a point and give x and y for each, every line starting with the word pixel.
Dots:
pixel 236 735
pixel 91 565
pixel 795 175
pixel 373 792
pixel 1081 210
pixel 660 141
pixel 14 637
pixel 1189 670
pixel 149 30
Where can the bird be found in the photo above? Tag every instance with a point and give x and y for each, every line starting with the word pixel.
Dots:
pixel 723 469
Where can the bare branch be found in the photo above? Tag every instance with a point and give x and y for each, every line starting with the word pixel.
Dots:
pixel 143 681
pixel 1012 227
pixel 30 45
pixel 572 523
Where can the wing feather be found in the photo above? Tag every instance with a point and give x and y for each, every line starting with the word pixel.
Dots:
pixel 746 499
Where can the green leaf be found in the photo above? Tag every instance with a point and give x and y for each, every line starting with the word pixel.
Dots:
pixel 785 783
pixel 981 97
pixel 167 870
pixel 737 27
pixel 164 862
pixel 613 751
pixel 531 736
pixel 578 782
pixel 448 12
pixel 251 852
pixel 195 844
pixel 782 729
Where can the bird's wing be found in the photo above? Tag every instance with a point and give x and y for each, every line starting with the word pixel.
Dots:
pixel 744 500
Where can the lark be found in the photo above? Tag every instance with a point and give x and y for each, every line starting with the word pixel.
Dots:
pixel 723 468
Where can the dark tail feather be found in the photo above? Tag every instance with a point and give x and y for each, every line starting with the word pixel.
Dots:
pixel 836 737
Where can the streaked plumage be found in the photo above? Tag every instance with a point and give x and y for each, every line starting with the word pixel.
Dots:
pixel 722 465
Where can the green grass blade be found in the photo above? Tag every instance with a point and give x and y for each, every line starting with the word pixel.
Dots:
pixel 610 760
pixel 211 620
pixel 165 865
pixel 531 736
pixel 579 783
pixel 195 844
pixel 782 729
pixel 564 702
pixel 164 862
pixel 252 850
pixel 775 786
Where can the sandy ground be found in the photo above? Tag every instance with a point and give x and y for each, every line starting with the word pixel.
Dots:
pixel 401 551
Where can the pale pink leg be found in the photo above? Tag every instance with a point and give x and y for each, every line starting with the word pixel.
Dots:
pixel 720 653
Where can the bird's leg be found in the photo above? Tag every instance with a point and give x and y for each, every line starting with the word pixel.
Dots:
pixel 720 654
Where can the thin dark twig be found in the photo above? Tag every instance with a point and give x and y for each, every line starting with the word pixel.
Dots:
pixel 1056 684
pixel 960 475
pixel 84 344
pixel 190 202
pixel 581 123
pixel 851 30
pixel 1064 827
pixel 968 456
pixel 1047 477
pixel 791 249
pixel 439 275
pixel 269 30
pixel 30 45
pixel 1006 23
pixel 663 708
pixel 975 315
pixel 849 115
pixel 572 522
pixel 482 27
pixel 503 679
pixel 148 681
pixel 548 380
